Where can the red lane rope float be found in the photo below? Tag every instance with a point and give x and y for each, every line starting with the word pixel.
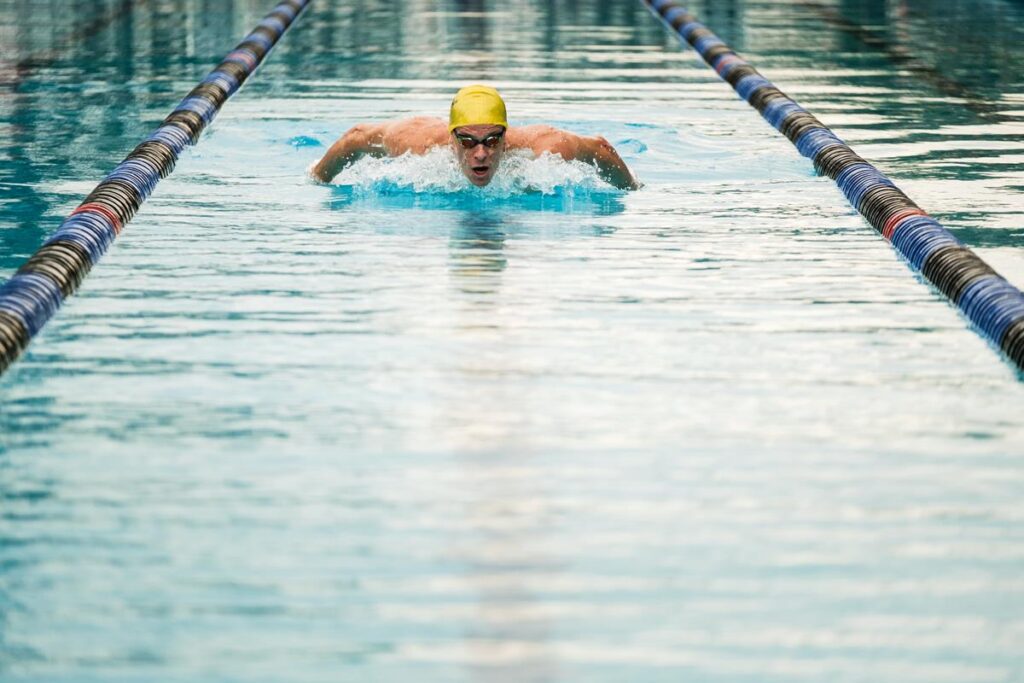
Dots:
pixel 894 220
pixel 104 211
pixel 56 269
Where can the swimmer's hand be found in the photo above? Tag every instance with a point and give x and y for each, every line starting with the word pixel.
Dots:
pixel 610 165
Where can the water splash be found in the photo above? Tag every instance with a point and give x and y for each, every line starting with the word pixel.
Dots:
pixel 437 171
pixel 304 141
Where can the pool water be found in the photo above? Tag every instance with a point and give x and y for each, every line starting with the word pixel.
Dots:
pixel 396 429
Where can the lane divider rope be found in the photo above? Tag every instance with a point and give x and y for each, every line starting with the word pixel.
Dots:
pixel 54 272
pixel 993 305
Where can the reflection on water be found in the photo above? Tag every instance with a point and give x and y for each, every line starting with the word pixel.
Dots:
pixel 861 29
pixel 478 257
pixel 709 430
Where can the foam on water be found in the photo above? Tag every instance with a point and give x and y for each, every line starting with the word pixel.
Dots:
pixel 437 171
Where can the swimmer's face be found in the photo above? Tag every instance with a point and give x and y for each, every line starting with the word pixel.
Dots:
pixel 478 149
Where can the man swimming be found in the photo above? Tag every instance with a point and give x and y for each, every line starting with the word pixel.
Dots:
pixel 478 133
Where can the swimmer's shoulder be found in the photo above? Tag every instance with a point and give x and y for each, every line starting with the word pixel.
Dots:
pixel 416 134
pixel 541 138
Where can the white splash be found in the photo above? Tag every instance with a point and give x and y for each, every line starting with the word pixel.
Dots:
pixel 437 171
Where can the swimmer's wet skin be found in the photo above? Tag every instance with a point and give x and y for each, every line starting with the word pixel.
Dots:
pixel 478 134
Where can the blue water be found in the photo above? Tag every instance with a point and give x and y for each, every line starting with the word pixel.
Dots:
pixel 712 430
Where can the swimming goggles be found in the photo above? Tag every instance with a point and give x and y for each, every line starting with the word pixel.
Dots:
pixel 469 142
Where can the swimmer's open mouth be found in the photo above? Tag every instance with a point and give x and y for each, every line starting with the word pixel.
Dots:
pixel 480 170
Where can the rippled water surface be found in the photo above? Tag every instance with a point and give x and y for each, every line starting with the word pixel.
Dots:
pixel 712 430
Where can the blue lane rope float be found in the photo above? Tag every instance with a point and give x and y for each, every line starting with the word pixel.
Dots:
pixel 54 272
pixel 992 304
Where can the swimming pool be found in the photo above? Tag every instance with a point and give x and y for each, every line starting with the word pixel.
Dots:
pixel 713 429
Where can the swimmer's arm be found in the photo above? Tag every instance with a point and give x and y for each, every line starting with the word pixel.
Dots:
pixel 590 150
pixel 610 166
pixel 364 139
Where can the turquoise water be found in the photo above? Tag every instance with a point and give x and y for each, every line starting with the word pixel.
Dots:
pixel 713 430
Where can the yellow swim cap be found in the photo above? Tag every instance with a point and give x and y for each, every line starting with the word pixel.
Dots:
pixel 475 105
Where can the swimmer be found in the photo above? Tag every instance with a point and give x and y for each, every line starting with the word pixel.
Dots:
pixel 478 133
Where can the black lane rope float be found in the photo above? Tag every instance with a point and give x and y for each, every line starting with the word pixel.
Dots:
pixel 55 271
pixel 991 303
